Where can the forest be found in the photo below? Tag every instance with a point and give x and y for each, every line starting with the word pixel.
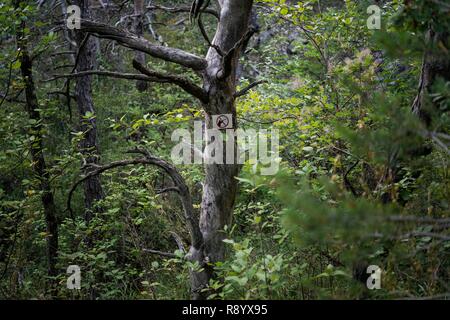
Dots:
pixel 224 150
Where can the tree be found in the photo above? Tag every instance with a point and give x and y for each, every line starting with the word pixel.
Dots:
pixel 217 96
pixel 37 148
pixel 85 61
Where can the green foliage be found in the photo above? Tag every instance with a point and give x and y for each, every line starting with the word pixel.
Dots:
pixel 361 178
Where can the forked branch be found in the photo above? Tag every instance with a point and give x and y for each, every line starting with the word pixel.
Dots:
pixel 177 179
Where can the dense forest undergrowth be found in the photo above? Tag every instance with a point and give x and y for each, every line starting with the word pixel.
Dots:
pixel 357 93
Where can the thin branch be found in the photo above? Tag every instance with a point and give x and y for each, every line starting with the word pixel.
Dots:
pixel 183 83
pixel 8 83
pixel 205 36
pixel 62 53
pixel 63 66
pixel 225 72
pixel 130 76
pixel 169 189
pixel 244 91
pixel 66 86
pixel 442 135
pixel 268 122
pixel 182 10
pixel 419 219
pixel 178 240
pixel 177 179
pixel 311 38
pixel 12 99
pixel 150 76
pixel 347 182
pixel 63 93
pixel 161 253
pixel 98 171
pixel 440 144
pixel 197 8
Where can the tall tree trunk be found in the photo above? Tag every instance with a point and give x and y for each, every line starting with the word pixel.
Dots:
pixel 435 64
pixel 220 185
pixel 86 61
pixel 37 152
pixel 138 29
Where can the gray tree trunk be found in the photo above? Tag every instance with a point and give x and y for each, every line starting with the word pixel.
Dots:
pixel 220 185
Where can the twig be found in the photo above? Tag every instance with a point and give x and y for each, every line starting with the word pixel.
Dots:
pixel 347 182
pixel 169 189
pixel 182 10
pixel 205 36
pixel 244 91
pixel 161 253
pixel 177 179
pixel 131 76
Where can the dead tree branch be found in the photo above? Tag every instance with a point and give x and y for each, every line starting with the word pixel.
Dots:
pixel 183 83
pixel 244 91
pixel 177 179
pixel 130 76
pixel 134 42
pixel 160 253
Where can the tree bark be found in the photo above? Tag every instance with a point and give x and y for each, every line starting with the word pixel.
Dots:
pixel 138 29
pixel 86 60
pixel 435 65
pixel 217 96
pixel 37 153
pixel 220 185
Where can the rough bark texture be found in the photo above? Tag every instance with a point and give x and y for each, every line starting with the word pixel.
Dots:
pixel 86 60
pixel 220 185
pixel 37 153
pixel 435 65
pixel 138 29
